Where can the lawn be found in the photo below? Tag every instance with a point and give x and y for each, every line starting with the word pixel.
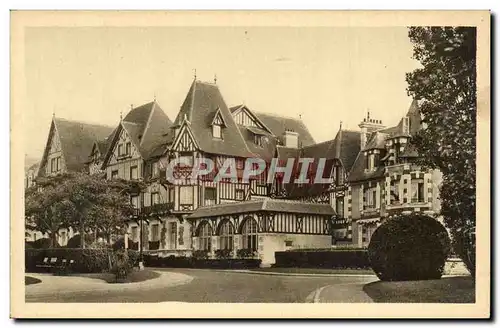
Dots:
pixel 444 290
pixel 135 276
pixel 315 270
pixel 31 280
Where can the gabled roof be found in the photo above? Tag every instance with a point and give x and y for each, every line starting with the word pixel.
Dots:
pixel 376 141
pixel 278 124
pixel 202 102
pixel 414 121
pixel 263 205
pixel 267 150
pixel 148 127
pixel 77 140
pixel 358 172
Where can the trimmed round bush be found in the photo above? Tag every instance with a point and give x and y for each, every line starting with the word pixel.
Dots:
pixel 409 247
pixel 76 241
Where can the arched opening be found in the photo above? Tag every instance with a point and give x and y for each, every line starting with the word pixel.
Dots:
pixel 226 232
pixel 204 236
pixel 249 234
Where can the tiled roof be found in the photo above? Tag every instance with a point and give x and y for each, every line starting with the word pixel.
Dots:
pixel 358 172
pixel 376 141
pixel 278 124
pixel 200 105
pixel 264 205
pixel 77 140
pixel 147 126
pixel 266 151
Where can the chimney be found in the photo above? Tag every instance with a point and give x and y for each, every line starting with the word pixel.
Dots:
pixel 369 125
pixel 291 139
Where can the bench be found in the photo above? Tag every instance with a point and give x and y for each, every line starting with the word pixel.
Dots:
pixel 53 265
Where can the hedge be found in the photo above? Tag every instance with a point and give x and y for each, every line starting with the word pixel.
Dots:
pixel 43 243
pixel 201 263
pixel 86 260
pixel 76 241
pixel 328 258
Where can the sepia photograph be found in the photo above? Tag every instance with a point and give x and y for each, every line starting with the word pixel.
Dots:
pixel 252 160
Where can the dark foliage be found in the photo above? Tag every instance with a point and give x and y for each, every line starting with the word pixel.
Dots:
pixel 201 263
pixel 335 258
pixel 84 260
pixel 445 87
pixel 120 244
pixel 409 247
pixel 76 241
pixel 43 243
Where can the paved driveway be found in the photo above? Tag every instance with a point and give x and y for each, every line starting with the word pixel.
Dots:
pixel 217 286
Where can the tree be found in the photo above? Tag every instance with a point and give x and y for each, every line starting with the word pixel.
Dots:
pixel 46 211
pixel 445 87
pixel 87 203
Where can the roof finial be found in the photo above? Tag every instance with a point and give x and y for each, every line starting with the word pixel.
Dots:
pixel 340 125
pixel 121 115
pixel 368 115
pixel 195 74
pixel 215 78
pixel 300 116
pixel 154 97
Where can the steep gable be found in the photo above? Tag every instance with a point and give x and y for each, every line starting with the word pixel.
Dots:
pixel 202 103
pixel 75 141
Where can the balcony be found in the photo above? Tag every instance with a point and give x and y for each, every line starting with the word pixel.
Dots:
pixel 157 209
pixel 415 203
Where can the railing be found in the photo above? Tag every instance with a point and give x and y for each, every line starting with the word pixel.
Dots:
pixel 411 205
pixel 161 208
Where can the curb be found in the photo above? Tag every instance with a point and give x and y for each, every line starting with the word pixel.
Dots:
pixel 330 275
pixel 91 284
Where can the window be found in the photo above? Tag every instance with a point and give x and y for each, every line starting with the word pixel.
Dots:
pixel 173 235
pixel 133 173
pixel 52 165
pixel 134 200
pixel 155 171
pixel 186 160
pixel 339 207
pixel 210 196
pixel 114 174
pixel 128 148
pixel 58 164
pixel 155 198
pixel 339 175
pixel 371 162
pixel 394 192
pixel 205 237
pixel 417 191
pixel 120 150
pixel 240 164
pixel 155 232
pixel 240 194
pixel 249 234
pixel 186 195
pixel 258 140
pixel 171 195
pixel 134 234
pixel 371 198
pixel 226 233
pixel 217 131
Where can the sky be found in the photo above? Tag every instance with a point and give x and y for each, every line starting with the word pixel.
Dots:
pixel 322 75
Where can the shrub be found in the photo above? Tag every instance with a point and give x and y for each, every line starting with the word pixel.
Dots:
pixel 245 253
pixel 121 265
pixel 76 241
pixel 223 253
pixel 43 243
pixel 409 247
pixel 342 258
pixel 200 254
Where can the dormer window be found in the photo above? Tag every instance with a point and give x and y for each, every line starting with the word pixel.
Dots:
pixel 371 162
pixel 217 131
pixel 258 140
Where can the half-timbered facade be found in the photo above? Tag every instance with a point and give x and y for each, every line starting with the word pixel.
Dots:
pixel 370 175
pixel 386 180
